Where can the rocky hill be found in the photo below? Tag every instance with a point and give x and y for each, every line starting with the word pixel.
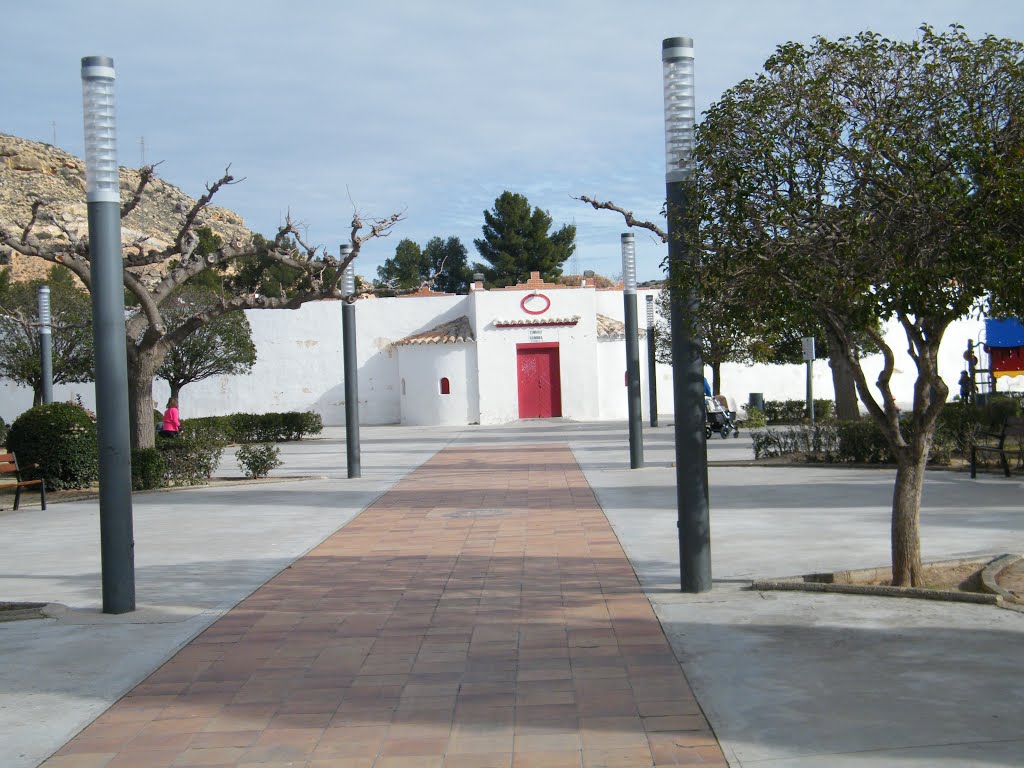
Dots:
pixel 32 171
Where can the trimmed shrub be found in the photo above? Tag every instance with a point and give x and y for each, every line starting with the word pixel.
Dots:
pixel 61 439
pixel 795 411
pixel 191 459
pixel 3 432
pixel 263 427
pixel 818 444
pixel 257 459
pixel 755 418
pixel 148 469
pixel 862 442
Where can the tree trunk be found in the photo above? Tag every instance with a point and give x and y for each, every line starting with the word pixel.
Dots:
pixel 716 378
pixel 906 517
pixel 141 372
pixel 37 395
pixel 847 407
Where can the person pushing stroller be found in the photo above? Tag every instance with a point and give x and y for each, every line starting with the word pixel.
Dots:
pixel 718 417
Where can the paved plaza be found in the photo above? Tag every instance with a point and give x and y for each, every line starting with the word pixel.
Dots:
pixel 507 596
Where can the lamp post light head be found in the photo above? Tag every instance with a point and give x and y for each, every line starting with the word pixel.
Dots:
pixel 43 299
pixel 102 183
pixel 348 277
pixel 650 311
pixel 680 106
pixel 628 264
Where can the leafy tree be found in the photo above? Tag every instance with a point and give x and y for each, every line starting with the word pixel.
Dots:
pixel 282 273
pixel 71 332
pixel 407 269
pixel 731 333
pixel 441 265
pixel 516 242
pixel 865 180
pixel 448 260
pixel 222 347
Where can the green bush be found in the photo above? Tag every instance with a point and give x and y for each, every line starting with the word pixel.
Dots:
pixel 795 411
pixel 61 439
pixel 862 442
pixel 3 432
pixel 755 418
pixel 191 460
pixel 257 459
pixel 148 469
pixel 263 427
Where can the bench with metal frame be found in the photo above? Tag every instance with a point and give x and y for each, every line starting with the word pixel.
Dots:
pixel 1004 441
pixel 8 467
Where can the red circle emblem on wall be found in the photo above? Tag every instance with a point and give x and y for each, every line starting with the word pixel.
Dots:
pixel 535 304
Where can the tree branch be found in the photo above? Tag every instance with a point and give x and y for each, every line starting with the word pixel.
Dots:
pixel 146 174
pixel 631 220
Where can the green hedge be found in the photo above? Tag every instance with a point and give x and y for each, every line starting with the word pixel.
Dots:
pixel 148 469
pixel 190 460
pixel 3 433
pixel 61 439
pixel 852 442
pixel 795 411
pixel 262 427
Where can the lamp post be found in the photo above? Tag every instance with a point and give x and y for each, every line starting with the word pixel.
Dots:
pixel 103 195
pixel 348 345
pixel 652 378
pixel 45 343
pixel 636 438
pixel 687 363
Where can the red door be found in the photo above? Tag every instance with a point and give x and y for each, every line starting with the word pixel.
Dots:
pixel 540 384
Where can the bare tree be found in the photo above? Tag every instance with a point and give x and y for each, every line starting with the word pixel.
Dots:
pixel 149 331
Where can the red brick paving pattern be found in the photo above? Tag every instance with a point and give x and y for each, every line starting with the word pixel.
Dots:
pixel 481 613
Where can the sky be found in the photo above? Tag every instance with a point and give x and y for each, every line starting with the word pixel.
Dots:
pixel 428 108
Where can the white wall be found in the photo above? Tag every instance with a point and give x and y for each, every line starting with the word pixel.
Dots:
pixel 422 367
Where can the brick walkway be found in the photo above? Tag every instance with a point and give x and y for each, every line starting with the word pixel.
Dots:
pixel 481 613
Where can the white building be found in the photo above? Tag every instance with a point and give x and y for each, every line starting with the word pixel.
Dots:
pixel 531 351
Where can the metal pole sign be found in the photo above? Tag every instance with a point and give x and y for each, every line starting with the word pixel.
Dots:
pixel 808 343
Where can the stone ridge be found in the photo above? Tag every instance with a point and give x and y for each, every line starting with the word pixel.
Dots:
pixel 32 171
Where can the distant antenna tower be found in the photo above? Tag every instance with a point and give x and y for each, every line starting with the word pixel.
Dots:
pixel 53 125
pixel 574 264
pixel 142 151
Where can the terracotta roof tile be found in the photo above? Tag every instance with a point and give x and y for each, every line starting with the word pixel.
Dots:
pixel 520 322
pixel 455 331
pixel 609 328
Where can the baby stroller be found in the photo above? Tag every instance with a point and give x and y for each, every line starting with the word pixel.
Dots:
pixel 719 418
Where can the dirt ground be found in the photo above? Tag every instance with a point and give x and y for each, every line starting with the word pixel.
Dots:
pixel 964 577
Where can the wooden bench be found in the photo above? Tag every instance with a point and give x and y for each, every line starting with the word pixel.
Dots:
pixel 1005 440
pixel 9 467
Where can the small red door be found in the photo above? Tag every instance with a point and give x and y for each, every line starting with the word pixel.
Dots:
pixel 540 383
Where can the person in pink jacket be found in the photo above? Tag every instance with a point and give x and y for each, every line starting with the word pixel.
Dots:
pixel 172 424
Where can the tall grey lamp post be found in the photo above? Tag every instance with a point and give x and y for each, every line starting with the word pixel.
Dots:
pixel 687 363
pixel 652 361
pixel 103 195
pixel 636 437
pixel 45 343
pixel 351 372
